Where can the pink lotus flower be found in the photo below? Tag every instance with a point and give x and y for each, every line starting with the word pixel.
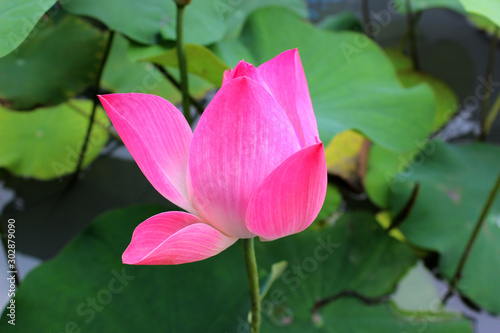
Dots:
pixel 254 166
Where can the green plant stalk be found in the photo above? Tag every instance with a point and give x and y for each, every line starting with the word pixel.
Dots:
pixel 495 109
pixel 103 126
pixel 412 21
pixel 181 55
pixel 176 84
pixel 489 79
pixel 253 284
pixel 365 9
pixel 458 272
pixel 95 91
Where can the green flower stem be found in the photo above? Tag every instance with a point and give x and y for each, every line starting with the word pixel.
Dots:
pixel 103 126
pixel 412 21
pixel 489 79
pixel 458 272
pixel 95 91
pixel 495 110
pixel 365 9
pixel 176 84
pixel 181 55
pixel 253 284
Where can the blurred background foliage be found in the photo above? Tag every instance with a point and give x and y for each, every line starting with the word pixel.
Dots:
pixel 406 96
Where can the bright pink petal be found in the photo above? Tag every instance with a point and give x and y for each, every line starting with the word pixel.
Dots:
pixel 240 138
pixel 285 78
pixel 173 238
pixel 158 137
pixel 291 197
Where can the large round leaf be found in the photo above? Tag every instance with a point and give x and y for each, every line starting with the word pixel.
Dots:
pixel 139 20
pixel 208 22
pixel 347 89
pixel 383 163
pixel 205 22
pixel 46 143
pixel 357 258
pixel 59 61
pixel 454 184
pixel 236 12
pixel 62 292
pixel 355 254
pixel 17 19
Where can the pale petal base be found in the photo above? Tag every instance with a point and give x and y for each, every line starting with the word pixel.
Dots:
pixel 173 238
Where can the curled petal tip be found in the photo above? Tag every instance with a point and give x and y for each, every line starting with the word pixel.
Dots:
pixel 243 69
pixel 173 238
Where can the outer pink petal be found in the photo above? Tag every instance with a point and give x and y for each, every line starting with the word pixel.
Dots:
pixel 158 137
pixel 173 238
pixel 240 138
pixel 286 80
pixel 291 197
